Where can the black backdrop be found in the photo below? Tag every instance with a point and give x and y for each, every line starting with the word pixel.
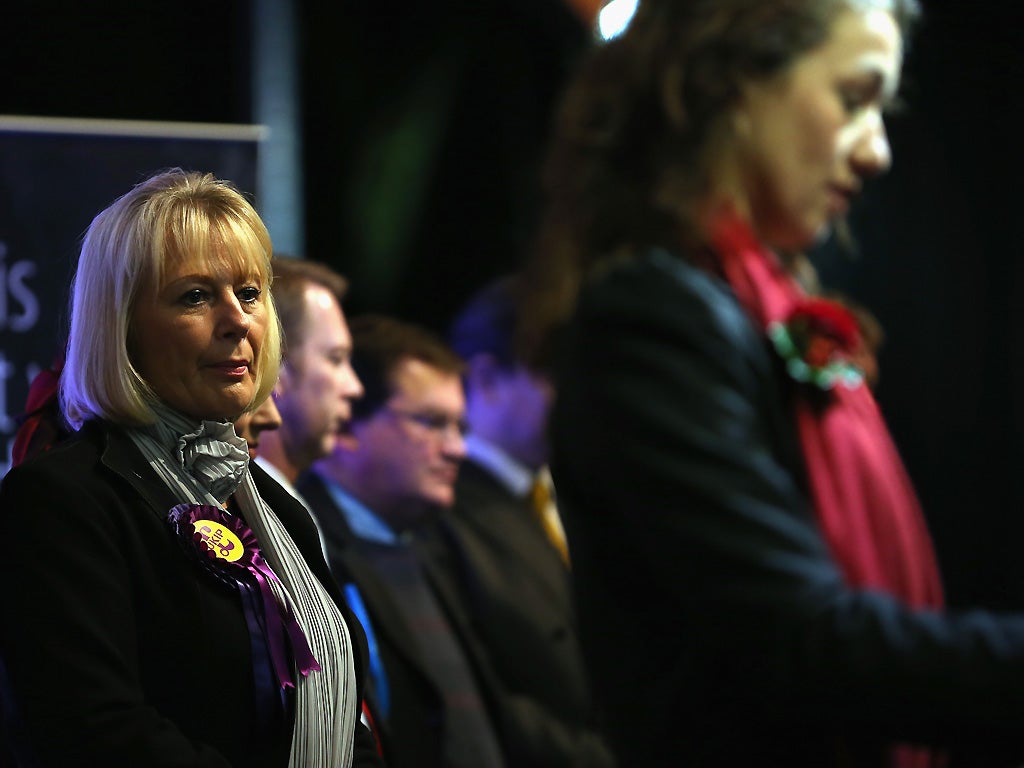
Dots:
pixel 423 128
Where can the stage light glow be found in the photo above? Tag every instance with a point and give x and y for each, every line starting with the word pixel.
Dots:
pixel 614 17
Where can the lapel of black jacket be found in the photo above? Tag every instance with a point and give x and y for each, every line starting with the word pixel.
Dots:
pixel 436 556
pixel 297 520
pixel 299 524
pixel 349 565
pixel 120 455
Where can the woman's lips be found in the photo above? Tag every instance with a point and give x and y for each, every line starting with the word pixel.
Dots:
pixel 233 368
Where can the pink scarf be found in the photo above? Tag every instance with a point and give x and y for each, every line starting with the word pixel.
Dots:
pixel 862 497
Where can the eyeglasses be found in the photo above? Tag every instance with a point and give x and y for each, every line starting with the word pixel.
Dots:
pixel 434 422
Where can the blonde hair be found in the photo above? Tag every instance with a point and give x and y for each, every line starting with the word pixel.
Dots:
pixel 173 214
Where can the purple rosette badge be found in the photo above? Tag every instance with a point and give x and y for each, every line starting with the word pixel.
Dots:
pixel 227 549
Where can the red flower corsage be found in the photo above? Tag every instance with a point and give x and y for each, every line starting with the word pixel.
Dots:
pixel 818 341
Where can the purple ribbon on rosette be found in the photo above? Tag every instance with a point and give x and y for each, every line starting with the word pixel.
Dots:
pixel 227 548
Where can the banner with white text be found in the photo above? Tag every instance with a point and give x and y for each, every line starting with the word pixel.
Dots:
pixel 55 175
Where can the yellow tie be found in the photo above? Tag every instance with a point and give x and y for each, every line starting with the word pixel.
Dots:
pixel 547 514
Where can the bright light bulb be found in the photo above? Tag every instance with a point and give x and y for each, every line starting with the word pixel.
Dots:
pixel 614 17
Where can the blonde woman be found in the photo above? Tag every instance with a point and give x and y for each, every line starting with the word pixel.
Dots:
pixel 168 603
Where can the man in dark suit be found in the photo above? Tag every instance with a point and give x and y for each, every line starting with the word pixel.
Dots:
pixel 395 467
pixel 508 549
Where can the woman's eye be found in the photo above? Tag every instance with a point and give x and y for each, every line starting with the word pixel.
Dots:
pixel 249 295
pixel 857 93
pixel 851 101
pixel 194 297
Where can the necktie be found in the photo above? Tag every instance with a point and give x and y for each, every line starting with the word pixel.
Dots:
pixel 547 514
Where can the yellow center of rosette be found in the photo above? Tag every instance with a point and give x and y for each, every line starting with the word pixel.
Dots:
pixel 219 540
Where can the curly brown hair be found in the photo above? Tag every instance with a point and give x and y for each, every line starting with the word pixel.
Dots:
pixel 628 159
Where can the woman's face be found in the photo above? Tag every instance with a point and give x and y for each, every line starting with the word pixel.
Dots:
pixel 195 338
pixel 808 138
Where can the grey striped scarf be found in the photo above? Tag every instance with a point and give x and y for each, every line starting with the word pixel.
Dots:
pixel 205 463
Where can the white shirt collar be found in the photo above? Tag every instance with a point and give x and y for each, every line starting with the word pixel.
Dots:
pixel 277 475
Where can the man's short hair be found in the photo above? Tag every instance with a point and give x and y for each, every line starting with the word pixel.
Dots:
pixel 487 322
pixel 291 277
pixel 380 344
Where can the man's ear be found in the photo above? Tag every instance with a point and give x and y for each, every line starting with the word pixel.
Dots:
pixel 276 392
pixel 286 379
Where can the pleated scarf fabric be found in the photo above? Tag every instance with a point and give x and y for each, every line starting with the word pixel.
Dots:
pixel 206 463
pixel 864 502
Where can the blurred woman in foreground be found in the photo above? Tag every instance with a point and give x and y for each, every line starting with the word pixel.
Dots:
pixel 757 585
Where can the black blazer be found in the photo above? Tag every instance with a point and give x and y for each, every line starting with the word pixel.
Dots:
pixel 119 652
pixel 717 624
pixel 412 735
pixel 517 592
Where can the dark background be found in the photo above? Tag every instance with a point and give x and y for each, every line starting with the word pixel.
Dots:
pixel 423 125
